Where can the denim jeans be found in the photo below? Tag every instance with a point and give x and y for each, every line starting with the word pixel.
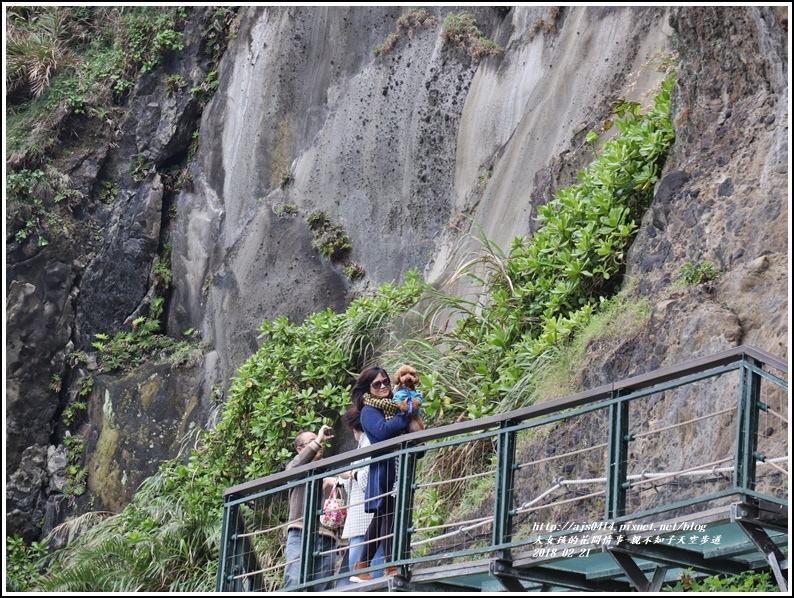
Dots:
pixel 324 565
pixel 354 549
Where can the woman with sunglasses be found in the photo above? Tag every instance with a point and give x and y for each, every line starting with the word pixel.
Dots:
pixel 380 419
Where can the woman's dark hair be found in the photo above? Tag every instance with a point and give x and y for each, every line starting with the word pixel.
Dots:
pixel 352 419
pixel 361 387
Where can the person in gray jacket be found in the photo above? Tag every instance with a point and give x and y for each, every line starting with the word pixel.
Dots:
pixel 309 447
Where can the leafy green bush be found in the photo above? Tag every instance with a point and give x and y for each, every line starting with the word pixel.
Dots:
pixel 174 84
pixel 150 34
pixel 76 476
pixel 318 221
pixel 22 563
pixel 222 28
pixel 289 209
pixel 129 349
pixel 749 581
pixel 332 243
pixel 705 272
pixel 207 88
pixel 71 410
pixel 330 240
pixel 140 167
pixel 354 271
pixel 552 282
pixel 34 197
pixel 547 288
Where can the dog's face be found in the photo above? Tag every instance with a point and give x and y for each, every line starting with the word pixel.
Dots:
pixel 406 376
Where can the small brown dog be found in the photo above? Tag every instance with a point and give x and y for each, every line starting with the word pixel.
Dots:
pixel 406 380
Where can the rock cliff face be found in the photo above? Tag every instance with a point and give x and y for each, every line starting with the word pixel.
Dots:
pixel 404 150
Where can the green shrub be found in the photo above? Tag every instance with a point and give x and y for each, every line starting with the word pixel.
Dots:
pixel 332 243
pixel 318 221
pixel 207 88
pixel 289 209
pixel 546 289
pixel 354 271
pixel 162 270
pixel 140 167
pixel 551 282
pixel 129 349
pixel 749 581
pixel 330 240
pixel 222 28
pixel 76 476
pixel 34 197
pixel 460 29
pixel 704 272
pixel 71 410
pixel 108 190
pixel 174 84
pixel 22 563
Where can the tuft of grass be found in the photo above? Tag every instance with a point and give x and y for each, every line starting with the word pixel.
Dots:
pixel 413 19
pixel 388 44
pixel 618 318
pixel 408 23
pixel 548 25
pixel 65 61
pixel 36 48
pixel 354 271
pixel 460 29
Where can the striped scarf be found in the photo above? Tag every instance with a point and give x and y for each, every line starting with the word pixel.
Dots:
pixel 388 406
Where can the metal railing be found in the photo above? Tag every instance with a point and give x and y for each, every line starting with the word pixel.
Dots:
pixel 666 444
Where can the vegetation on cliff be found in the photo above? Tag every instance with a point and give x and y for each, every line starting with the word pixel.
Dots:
pixel 301 376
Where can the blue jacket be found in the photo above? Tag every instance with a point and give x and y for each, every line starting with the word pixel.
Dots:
pixel 405 394
pixel 381 474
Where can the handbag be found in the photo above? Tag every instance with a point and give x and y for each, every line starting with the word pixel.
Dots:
pixel 334 510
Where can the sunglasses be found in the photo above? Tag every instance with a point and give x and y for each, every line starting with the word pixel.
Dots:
pixel 378 384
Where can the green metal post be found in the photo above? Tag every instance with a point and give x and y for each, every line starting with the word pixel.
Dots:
pixel 312 491
pixel 747 428
pixel 231 557
pixel 226 551
pixel 618 459
pixel 503 499
pixel 404 505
